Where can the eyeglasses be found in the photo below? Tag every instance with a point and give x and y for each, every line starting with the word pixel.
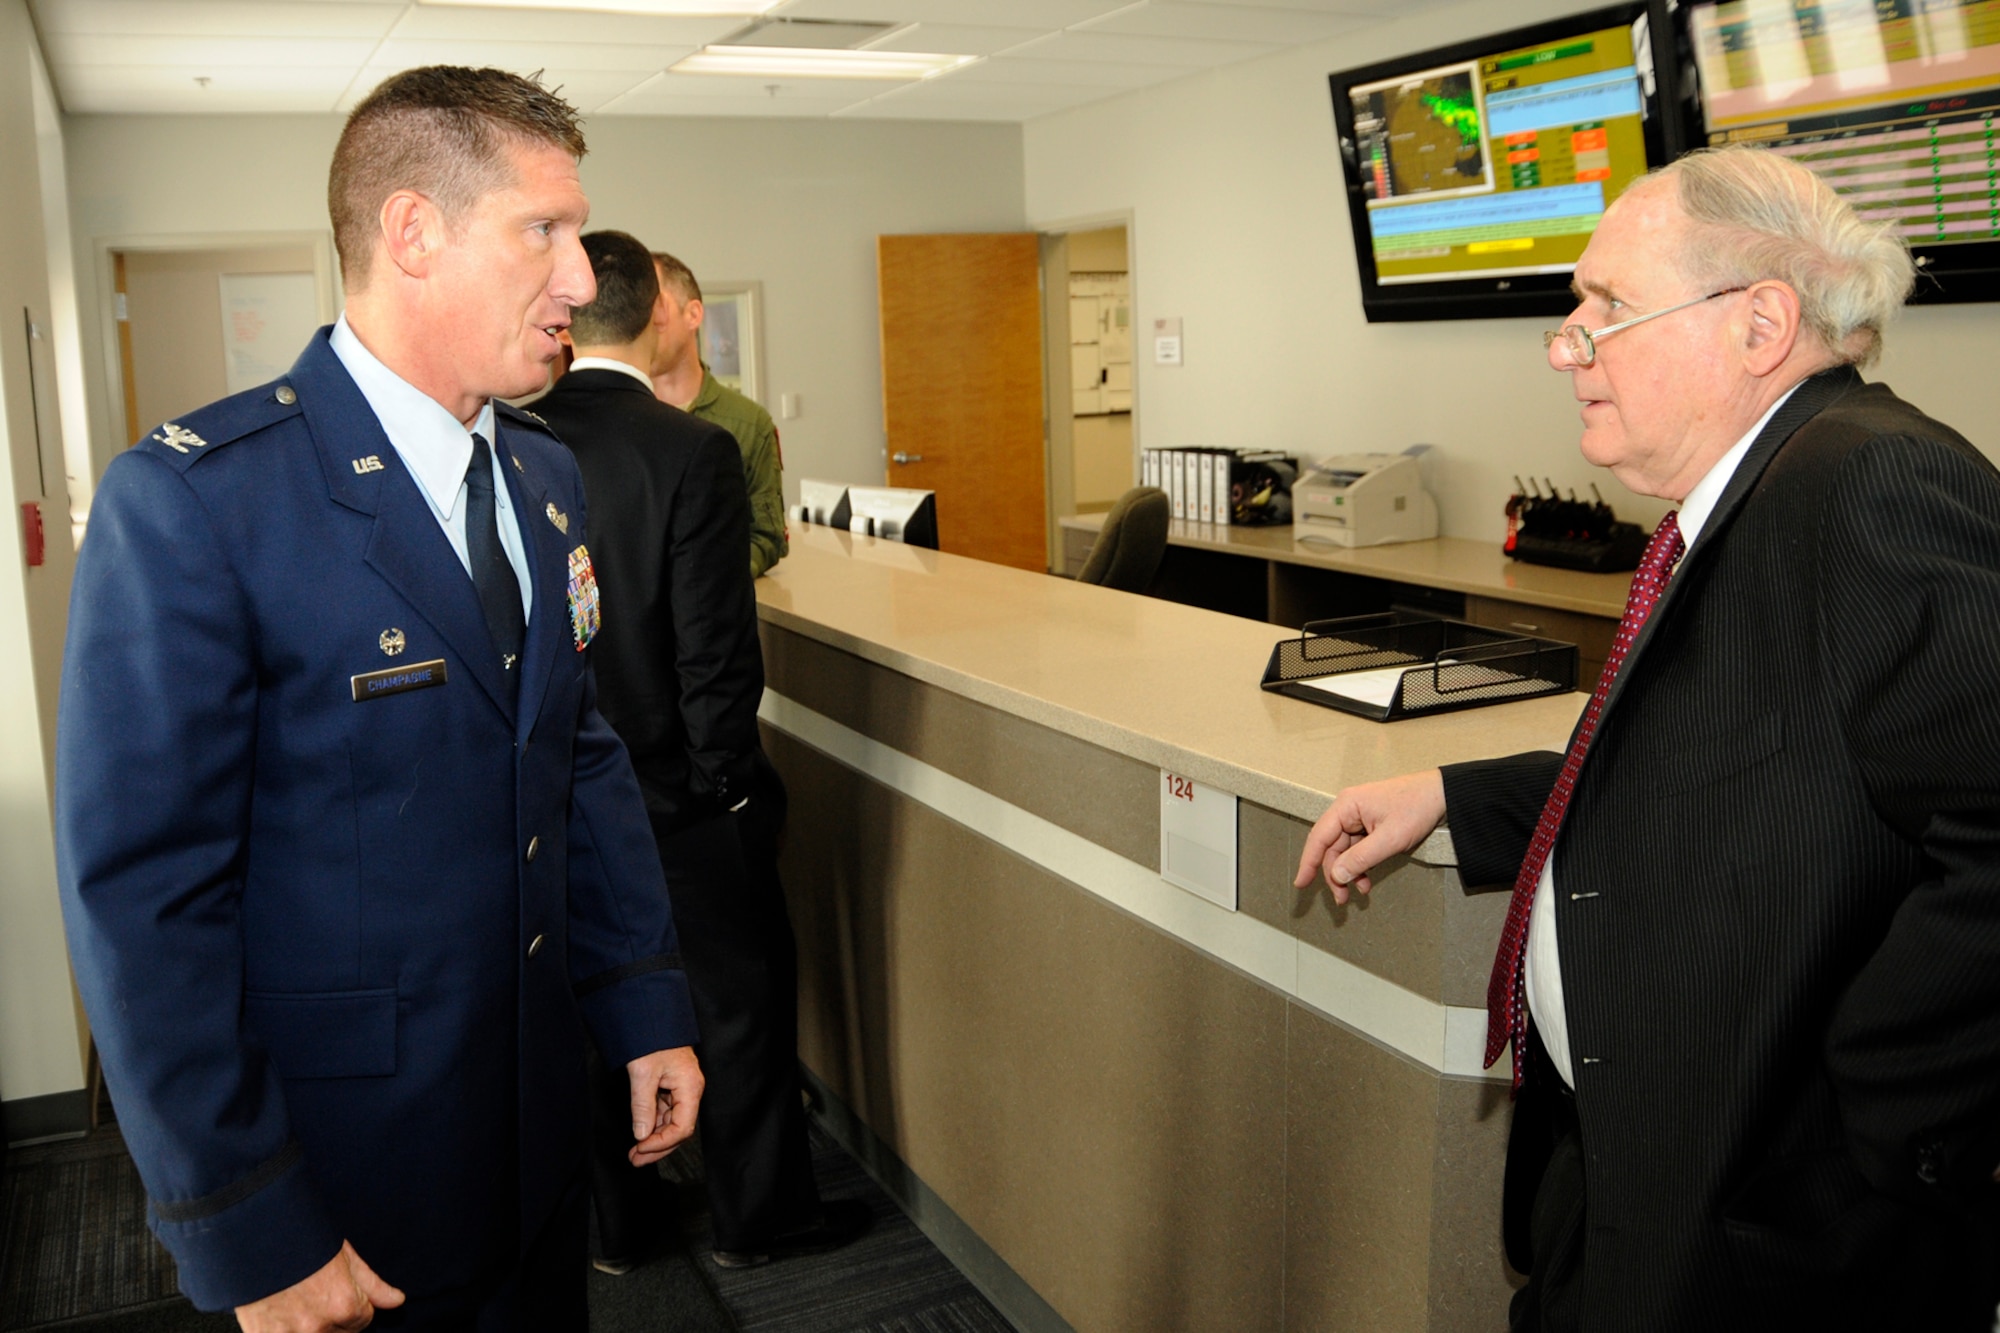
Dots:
pixel 1581 343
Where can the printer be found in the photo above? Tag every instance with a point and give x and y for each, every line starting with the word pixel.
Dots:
pixel 1364 500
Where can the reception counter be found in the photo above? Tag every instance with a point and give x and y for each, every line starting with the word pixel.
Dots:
pixel 1117 1104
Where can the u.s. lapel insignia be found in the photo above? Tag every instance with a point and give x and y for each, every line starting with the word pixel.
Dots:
pixel 584 617
pixel 392 641
pixel 559 518
pixel 178 437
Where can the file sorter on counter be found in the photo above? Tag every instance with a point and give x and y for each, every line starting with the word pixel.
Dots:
pixel 1396 665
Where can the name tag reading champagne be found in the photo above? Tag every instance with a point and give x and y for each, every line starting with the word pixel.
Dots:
pixel 397 680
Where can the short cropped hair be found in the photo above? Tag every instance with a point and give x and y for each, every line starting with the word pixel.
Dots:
pixel 627 287
pixel 679 277
pixel 1754 214
pixel 442 131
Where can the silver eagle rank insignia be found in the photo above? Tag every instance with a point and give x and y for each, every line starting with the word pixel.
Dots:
pixel 178 437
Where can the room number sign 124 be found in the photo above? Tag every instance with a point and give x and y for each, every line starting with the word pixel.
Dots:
pixel 1198 839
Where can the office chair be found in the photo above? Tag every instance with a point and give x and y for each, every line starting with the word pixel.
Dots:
pixel 1128 551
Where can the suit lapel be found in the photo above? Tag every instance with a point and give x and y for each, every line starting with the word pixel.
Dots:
pixel 407 547
pixel 547 548
pixel 1812 397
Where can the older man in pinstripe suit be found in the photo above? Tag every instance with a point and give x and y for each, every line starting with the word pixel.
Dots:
pixel 1751 969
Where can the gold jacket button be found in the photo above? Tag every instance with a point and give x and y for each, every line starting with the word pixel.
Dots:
pixel 534 845
pixel 534 946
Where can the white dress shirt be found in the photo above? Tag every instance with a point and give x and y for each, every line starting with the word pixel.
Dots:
pixel 1544 965
pixel 437 450
pixel 609 363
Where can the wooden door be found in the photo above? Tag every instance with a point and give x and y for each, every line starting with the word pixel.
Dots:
pixel 962 387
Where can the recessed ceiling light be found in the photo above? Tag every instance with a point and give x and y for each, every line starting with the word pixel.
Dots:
pixel 657 8
pixel 817 63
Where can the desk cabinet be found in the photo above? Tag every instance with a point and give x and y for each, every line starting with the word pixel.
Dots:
pixel 1592 635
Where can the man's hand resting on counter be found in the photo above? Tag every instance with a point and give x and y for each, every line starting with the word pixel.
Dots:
pixel 1367 825
pixel 341 1297
pixel 666 1094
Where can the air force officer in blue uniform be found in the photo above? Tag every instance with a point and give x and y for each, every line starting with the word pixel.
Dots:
pixel 349 860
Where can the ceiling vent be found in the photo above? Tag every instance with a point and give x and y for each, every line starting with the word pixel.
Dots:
pixel 810 34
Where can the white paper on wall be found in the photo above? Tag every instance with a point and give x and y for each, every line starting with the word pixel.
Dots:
pixel 267 320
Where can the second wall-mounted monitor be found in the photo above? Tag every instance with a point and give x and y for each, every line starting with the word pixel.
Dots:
pixel 1895 103
pixel 1476 173
pixel 897 513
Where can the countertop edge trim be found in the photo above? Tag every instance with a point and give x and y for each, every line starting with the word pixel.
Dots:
pixel 1447 1039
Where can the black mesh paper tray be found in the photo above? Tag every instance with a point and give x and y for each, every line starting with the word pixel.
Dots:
pixel 1452 664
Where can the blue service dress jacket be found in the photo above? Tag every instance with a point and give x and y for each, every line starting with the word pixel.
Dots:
pixel 342 893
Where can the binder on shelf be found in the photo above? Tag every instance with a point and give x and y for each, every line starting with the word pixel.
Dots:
pixel 1204 485
pixel 1220 462
pixel 1402 664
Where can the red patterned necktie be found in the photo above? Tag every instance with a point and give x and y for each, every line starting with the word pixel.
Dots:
pixel 1506 1000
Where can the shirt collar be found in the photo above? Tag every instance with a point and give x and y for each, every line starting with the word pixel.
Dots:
pixel 428 438
pixel 711 389
pixel 1701 501
pixel 609 363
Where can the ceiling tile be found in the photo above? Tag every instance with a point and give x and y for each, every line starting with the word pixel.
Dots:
pixel 528 25
pixel 1063 73
pixel 215 18
pixel 68 50
pixel 1354 8
pixel 1043 14
pixel 110 89
pixel 1119 48
pixel 955 39
pixel 1241 23
pixel 699 87
pixel 399 54
pixel 946 92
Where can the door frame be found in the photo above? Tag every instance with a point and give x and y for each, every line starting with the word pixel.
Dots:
pixel 1058 458
pixel 325 283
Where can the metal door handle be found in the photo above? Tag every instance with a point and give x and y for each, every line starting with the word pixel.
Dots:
pixel 906 458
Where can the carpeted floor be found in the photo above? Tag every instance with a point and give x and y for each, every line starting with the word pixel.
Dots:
pixel 75 1255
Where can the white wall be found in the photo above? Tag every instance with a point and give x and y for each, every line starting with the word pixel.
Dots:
pixel 794 204
pixel 1241 229
pixel 40 1051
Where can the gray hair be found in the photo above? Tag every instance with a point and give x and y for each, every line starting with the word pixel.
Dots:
pixel 1754 214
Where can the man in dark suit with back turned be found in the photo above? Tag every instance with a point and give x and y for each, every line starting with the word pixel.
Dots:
pixel 349 860
pixel 680 676
pixel 1751 967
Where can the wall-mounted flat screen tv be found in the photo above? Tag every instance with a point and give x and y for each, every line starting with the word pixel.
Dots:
pixel 1477 172
pixel 1895 103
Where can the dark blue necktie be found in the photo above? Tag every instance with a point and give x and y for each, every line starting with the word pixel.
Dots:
pixel 492 572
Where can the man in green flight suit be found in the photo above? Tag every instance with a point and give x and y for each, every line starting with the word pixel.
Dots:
pixel 681 379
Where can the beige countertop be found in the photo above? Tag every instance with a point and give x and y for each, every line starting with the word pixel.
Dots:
pixel 1457 564
pixel 1165 684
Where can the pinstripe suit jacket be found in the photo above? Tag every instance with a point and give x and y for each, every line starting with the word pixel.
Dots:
pixel 1778 905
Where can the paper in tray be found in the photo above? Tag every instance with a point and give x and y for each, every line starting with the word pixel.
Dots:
pixel 1398 665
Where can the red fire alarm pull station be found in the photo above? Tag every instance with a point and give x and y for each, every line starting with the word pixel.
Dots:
pixel 31 525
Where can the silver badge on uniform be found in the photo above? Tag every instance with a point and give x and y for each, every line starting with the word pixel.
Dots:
pixel 559 518
pixel 392 641
pixel 178 437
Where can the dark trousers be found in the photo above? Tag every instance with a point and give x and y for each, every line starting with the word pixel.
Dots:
pixel 540 1291
pixel 742 965
pixel 1545 1164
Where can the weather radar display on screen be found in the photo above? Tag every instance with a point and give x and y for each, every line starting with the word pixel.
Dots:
pixel 1501 165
